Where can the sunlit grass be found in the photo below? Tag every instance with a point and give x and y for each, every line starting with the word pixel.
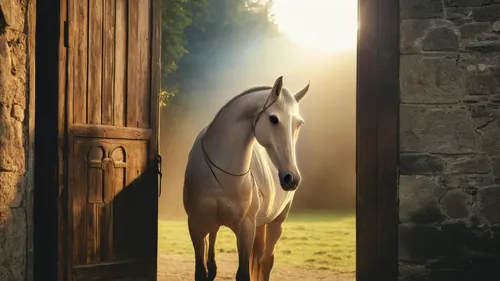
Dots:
pixel 312 241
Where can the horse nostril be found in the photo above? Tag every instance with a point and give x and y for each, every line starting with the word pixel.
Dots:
pixel 288 179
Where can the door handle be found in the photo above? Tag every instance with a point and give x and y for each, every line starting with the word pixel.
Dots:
pixel 158 160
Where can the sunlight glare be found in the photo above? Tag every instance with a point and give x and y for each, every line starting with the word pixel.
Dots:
pixel 324 25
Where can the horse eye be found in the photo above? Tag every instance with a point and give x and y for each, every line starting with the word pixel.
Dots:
pixel 274 119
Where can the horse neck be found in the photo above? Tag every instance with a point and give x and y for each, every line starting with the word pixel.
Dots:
pixel 229 139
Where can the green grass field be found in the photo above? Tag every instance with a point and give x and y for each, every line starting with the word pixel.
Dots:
pixel 311 241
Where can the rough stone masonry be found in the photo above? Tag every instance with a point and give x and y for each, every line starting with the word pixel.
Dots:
pixel 13 95
pixel 449 140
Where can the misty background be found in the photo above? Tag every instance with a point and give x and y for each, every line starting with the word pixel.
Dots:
pixel 231 45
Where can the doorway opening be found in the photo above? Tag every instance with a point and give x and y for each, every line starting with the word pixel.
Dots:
pixel 224 58
pixel 46 140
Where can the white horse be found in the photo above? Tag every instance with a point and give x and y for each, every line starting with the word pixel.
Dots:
pixel 242 174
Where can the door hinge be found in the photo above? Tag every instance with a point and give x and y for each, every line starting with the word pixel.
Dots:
pixel 66 34
pixel 158 160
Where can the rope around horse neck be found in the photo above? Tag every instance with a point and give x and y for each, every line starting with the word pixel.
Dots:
pixel 211 163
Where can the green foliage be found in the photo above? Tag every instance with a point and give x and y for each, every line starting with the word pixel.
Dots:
pixel 176 16
pixel 199 34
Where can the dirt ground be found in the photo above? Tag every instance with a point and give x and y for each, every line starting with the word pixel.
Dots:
pixel 172 267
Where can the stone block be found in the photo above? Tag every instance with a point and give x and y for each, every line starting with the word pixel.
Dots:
pixel 488 200
pixel 485 36
pixel 11 191
pixel 456 204
pixel 18 54
pixel 14 13
pixel 12 88
pixel 490 133
pixel 420 9
pixel 490 13
pixel 477 263
pixel 419 243
pixel 447 131
pixel 482 239
pixel 468 164
pixel 482 116
pixel 496 26
pixel 494 99
pixel 17 112
pixel 412 272
pixel 496 166
pixel 468 183
pixel 420 164
pixel 441 39
pixel 418 199
pixel 465 3
pixel 452 274
pixel 12 244
pixel 483 82
pixel 483 62
pixel 459 15
pixel 6 85
pixel 411 33
pixel 483 46
pixel 12 155
pixel 454 234
pixel 431 79
pixel 471 30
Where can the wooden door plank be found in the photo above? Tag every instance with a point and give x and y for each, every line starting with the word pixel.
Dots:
pixel 133 89
pixel 94 202
pixel 108 61
pixel 120 63
pixel 79 204
pixel 388 137
pixel 95 61
pixel 144 34
pixel 104 131
pixel 377 140
pixel 108 271
pixel 156 73
pixel 121 223
pixel 80 61
pixel 106 220
pixel 64 71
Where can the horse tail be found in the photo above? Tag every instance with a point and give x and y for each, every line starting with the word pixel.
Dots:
pixel 256 254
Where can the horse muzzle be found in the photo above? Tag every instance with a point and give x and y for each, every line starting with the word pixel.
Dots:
pixel 288 181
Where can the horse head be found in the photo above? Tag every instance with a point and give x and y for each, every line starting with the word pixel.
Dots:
pixel 277 128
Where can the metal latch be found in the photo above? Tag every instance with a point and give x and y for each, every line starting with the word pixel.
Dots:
pixel 158 160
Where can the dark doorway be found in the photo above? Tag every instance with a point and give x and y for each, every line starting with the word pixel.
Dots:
pixel 46 140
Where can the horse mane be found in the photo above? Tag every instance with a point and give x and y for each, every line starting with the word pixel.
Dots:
pixel 246 92
pixel 286 98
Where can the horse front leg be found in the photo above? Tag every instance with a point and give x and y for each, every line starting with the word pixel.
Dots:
pixel 273 233
pixel 199 239
pixel 245 235
pixel 256 255
pixel 211 264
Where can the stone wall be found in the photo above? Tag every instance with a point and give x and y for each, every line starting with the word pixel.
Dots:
pixel 13 140
pixel 450 140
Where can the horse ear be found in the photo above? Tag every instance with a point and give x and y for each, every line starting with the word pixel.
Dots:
pixel 300 94
pixel 278 85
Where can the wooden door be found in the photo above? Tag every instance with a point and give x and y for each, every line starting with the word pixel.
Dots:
pixel 111 49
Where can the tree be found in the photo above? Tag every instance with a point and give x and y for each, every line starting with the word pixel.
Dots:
pixel 177 15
